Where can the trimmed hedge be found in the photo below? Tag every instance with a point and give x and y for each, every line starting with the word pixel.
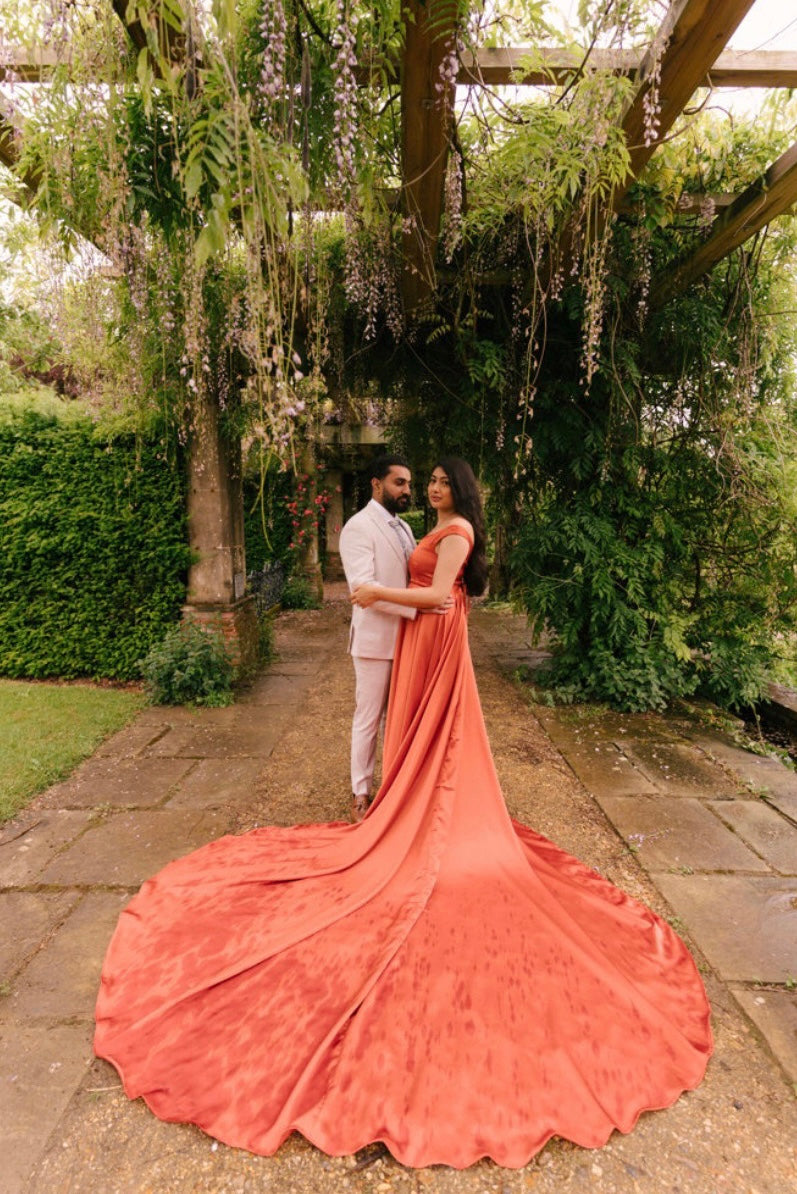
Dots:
pixel 93 548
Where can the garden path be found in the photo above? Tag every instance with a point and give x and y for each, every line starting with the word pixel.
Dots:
pixel 669 808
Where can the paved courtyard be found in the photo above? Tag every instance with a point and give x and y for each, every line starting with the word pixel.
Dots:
pixel 671 808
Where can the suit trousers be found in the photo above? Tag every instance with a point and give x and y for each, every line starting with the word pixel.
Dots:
pixel 372 678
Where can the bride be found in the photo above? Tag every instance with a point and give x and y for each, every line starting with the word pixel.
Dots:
pixel 437 977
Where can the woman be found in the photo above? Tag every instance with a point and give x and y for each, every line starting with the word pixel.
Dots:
pixel 437 977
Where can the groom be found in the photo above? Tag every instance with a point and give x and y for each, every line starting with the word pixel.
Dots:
pixel 375 546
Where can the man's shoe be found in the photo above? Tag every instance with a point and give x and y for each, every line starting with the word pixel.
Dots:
pixel 359 807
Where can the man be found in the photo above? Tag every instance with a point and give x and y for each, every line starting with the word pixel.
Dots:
pixel 375 546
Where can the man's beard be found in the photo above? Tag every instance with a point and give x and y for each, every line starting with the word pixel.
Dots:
pixel 396 505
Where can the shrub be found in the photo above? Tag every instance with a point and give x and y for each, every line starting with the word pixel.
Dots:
pixel 190 666
pixel 93 548
pixel 299 593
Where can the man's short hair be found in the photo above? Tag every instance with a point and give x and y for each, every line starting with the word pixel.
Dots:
pixel 380 466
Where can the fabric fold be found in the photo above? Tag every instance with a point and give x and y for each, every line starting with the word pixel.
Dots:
pixel 439 977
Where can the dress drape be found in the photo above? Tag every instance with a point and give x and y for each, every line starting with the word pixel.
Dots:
pixel 439 977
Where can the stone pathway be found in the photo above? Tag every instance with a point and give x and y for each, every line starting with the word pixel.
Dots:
pixel 713 827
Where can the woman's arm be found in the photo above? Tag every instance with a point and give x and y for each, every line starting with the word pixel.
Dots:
pixel 451 555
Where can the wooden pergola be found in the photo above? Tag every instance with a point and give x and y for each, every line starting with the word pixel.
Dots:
pixel 688 53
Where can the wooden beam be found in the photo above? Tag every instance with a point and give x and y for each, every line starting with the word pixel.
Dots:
pixel 9 157
pixel 426 120
pixel 774 193
pixel 171 42
pixel 689 42
pixel 554 66
pixel 22 65
pixel 686 46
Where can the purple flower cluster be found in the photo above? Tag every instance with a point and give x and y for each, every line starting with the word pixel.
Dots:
pixel 372 278
pixel 651 100
pixel 345 101
pixel 452 205
pixel 273 29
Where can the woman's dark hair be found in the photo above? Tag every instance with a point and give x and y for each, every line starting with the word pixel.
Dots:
pixel 468 503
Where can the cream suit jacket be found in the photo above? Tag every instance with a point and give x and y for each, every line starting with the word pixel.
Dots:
pixel 371 553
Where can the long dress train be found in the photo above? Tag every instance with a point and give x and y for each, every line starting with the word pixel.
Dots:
pixel 438 977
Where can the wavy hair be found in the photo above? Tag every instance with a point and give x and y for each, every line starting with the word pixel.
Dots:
pixel 468 503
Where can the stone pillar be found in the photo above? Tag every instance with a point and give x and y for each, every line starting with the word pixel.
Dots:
pixel 333 483
pixel 309 559
pixel 217 577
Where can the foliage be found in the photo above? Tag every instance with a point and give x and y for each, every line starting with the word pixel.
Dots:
pixel 93 549
pixel 192 665
pixel 416 521
pixel 660 542
pixel 639 462
pixel 47 729
pixel 267 521
pixel 27 347
pixel 299 593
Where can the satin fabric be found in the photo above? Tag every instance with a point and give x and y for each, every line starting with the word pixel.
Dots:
pixel 438 977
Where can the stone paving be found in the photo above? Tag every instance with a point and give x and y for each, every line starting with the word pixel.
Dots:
pixel 714 826
pixel 159 788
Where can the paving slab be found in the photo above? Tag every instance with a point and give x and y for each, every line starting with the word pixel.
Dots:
pixel 61 981
pixel 785 802
pixel 775 1015
pixel 293 667
pixel 128 742
pixel 126 848
pixel 23 858
pixel 678 769
pixel 219 742
pixel 762 774
pixel 602 768
pixel 279 690
pixel 164 717
pixel 40 1066
pixel 673 834
pixel 213 783
pixel 28 917
pixel 746 925
pixel 132 783
pixel 771 835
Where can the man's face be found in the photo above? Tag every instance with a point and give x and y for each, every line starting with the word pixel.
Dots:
pixel 393 491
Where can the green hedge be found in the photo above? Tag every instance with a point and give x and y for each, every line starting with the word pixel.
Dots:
pixel 93 548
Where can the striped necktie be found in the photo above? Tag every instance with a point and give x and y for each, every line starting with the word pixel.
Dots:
pixel 406 546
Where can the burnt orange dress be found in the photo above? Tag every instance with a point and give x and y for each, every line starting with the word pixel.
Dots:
pixel 438 977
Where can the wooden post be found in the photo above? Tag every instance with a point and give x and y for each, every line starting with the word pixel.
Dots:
pixel 426 114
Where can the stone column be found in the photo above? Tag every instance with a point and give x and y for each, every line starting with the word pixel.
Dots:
pixel 333 482
pixel 309 560
pixel 217 577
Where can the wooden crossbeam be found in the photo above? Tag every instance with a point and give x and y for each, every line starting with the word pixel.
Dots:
pixel 689 42
pixel 171 43
pixel 554 66
pixel 774 193
pixel 687 45
pixel 9 157
pixel 426 119
pixel 505 66
pixel 25 66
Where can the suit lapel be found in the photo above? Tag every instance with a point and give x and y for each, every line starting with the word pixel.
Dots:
pixel 388 536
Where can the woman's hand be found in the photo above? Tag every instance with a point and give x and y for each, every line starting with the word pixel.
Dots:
pixel 365 595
